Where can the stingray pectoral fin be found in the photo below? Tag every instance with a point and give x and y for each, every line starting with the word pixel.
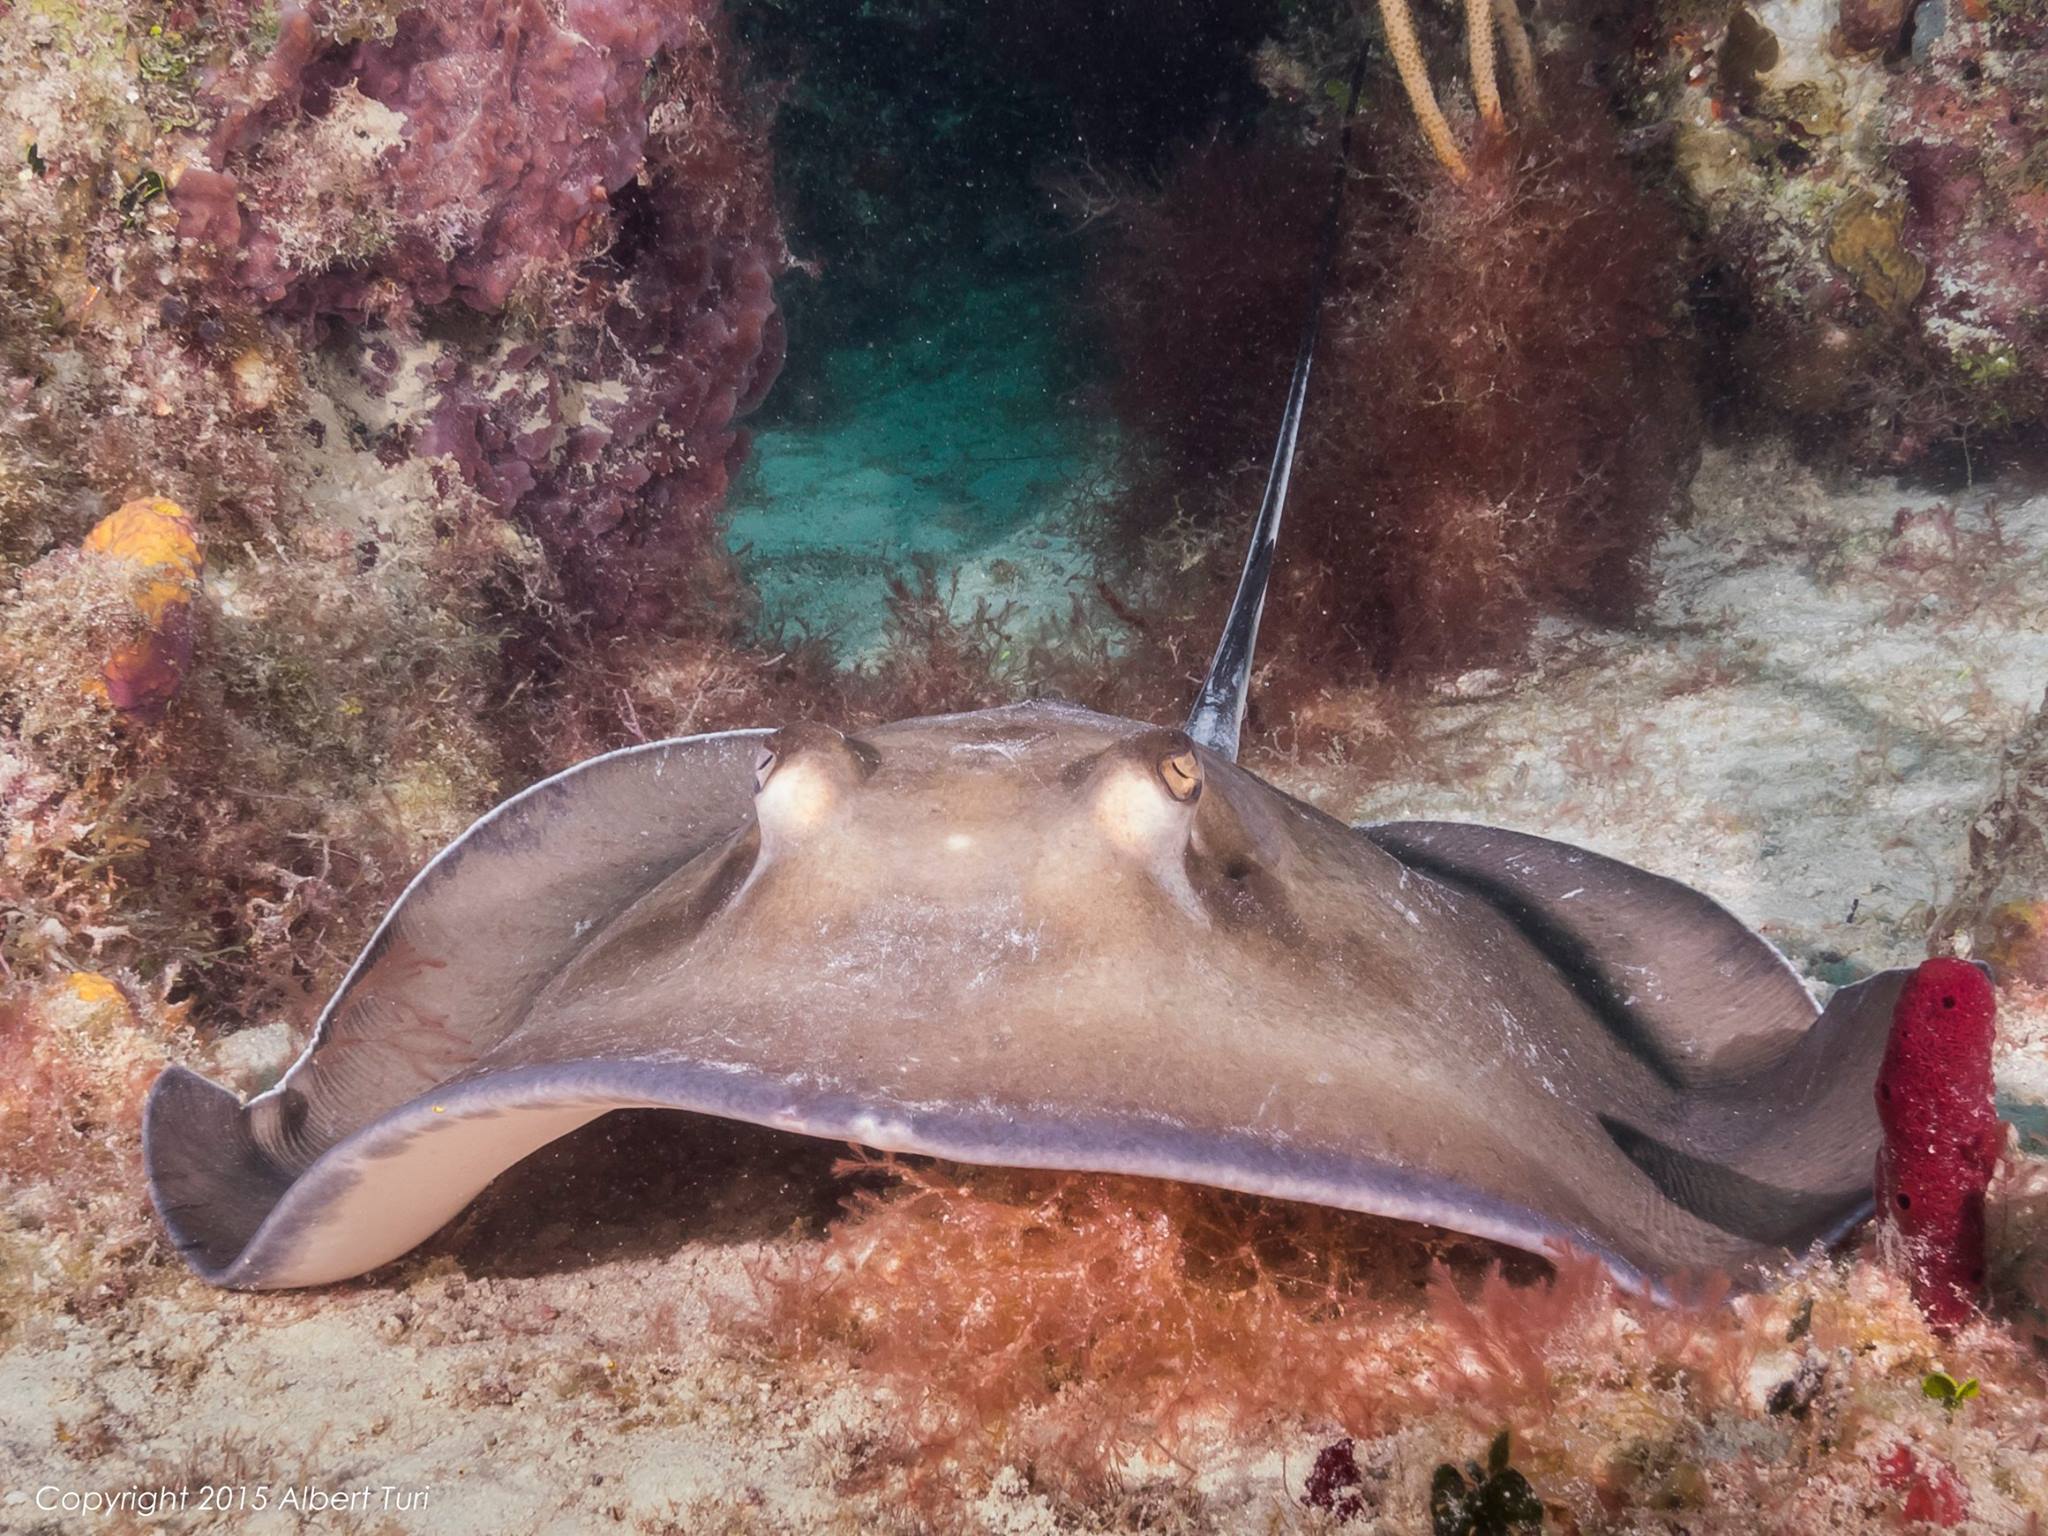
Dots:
pixel 376 1194
pixel 1784 1160
pixel 211 1183
pixel 242 1222
pixel 1765 1213
pixel 492 918
pixel 1677 978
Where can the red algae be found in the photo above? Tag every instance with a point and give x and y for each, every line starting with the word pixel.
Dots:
pixel 1074 1320
pixel 1515 412
pixel 1931 1492
pixel 75 1062
pixel 1081 1327
pixel 78 1052
pixel 1501 414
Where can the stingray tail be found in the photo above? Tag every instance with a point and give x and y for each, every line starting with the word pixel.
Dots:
pixel 1218 713
pixel 1786 1158
pixel 209 1180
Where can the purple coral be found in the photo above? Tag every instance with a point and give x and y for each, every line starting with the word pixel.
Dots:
pixel 594 183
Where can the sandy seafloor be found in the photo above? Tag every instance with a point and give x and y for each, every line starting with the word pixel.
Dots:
pixel 949 443
pixel 1803 728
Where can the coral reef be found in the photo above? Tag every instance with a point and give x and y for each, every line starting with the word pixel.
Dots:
pixel 443 394
pixel 333 728
pixel 452 428
pixel 452 396
pixel 1875 214
pixel 1942 1137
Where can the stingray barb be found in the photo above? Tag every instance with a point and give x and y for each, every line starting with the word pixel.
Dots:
pixel 1041 937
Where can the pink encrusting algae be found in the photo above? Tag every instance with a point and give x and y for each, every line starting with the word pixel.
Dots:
pixel 627 263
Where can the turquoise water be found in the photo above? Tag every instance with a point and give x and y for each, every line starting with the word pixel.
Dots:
pixel 963 438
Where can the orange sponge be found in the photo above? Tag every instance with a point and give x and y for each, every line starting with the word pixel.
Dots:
pixel 155 539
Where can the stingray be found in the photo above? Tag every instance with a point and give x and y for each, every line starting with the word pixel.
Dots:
pixel 1041 937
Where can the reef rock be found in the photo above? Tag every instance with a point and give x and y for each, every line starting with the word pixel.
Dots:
pixel 1873 174
pixel 614 216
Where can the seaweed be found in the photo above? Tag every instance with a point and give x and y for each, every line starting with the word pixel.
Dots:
pixel 1501 413
pixel 1079 1329
pixel 1073 1321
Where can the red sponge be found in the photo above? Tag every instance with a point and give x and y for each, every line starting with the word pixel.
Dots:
pixel 1942 1136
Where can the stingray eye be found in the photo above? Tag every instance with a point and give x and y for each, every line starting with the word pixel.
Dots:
pixel 1145 788
pixel 802 772
pixel 1181 773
